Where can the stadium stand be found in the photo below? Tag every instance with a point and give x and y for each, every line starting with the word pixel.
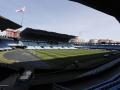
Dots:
pixel 111 46
pixel 45 45
pixel 5 24
pixel 6 44
pixel 40 39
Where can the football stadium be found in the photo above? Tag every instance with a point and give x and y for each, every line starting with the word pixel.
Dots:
pixel 35 59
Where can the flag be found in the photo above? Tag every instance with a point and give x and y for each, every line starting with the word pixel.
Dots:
pixel 21 9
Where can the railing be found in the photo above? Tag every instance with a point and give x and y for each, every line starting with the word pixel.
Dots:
pixel 109 83
pixel 59 87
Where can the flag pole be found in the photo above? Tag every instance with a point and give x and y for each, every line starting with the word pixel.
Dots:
pixel 22 18
pixel 22 10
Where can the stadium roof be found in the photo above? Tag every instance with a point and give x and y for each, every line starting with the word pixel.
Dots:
pixel 110 7
pixel 6 23
pixel 30 33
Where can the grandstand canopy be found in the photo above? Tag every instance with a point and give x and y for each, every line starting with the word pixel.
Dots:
pixel 6 23
pixel 110 7
pixel 37 34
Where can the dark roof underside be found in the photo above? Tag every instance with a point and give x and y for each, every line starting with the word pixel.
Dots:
pixel 37 34
pixel 110 7
pixel 6 23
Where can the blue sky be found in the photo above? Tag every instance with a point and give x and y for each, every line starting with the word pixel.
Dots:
pixel 62 16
